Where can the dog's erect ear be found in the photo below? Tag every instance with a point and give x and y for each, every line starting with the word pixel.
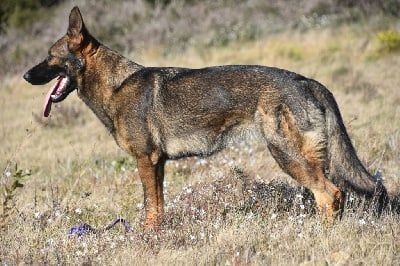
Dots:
pixel 76 28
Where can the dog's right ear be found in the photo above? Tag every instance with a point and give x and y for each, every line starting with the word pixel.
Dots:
pixel 76 28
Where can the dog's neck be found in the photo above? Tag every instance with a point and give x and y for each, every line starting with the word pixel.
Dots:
pixel 108 68
pixel 104 73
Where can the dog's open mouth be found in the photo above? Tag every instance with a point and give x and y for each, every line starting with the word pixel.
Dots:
pixel 57 93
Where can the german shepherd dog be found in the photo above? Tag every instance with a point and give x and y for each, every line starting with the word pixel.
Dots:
pixel 161 113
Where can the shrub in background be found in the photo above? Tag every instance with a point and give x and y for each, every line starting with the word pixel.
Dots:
pixel 389 41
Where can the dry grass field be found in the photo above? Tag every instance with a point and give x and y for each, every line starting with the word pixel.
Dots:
pixel 233 208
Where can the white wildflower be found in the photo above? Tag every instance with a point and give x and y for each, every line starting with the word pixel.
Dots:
pixel 78 211
pixel 249 215
pixel 299 196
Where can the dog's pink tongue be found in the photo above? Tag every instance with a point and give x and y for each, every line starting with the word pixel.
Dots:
pixel 47 102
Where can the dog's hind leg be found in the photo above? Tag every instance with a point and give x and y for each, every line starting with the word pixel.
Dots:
pixel 152 175
pixel 301 153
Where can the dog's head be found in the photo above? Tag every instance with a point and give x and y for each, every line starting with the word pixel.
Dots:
pixel 65 61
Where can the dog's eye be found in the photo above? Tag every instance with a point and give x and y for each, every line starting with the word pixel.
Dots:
pixel 50 58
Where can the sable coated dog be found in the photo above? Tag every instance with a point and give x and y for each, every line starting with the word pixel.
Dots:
pixel 156 114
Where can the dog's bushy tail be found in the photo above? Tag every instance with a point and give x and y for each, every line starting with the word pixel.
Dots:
pixel 345 168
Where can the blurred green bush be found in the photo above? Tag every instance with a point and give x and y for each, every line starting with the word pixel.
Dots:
pixel 21 13
pixel 389 41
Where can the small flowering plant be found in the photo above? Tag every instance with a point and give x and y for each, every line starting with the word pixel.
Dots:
pixel 9 184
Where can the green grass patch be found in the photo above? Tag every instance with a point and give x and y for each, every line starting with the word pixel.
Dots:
pixel 387 42
pixel 292 52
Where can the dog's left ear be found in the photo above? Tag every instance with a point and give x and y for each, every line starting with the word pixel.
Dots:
pixel 76 29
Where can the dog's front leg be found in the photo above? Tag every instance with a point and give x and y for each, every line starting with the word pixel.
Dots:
pixel 152 175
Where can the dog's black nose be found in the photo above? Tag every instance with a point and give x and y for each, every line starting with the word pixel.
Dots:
pixel 27 76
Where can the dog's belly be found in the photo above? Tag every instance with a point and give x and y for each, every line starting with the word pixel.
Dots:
pixel 193 145
pixel 203 143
